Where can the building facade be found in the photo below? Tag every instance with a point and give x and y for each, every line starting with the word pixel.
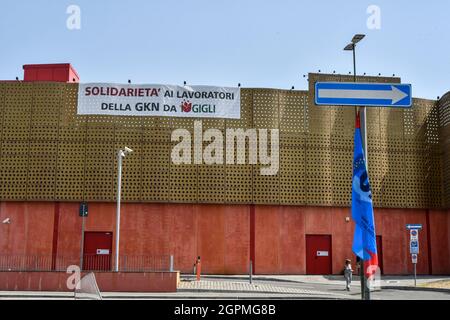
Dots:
pixel 295 222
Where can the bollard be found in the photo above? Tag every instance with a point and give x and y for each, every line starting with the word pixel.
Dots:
pixel 171 263
pixel 198 268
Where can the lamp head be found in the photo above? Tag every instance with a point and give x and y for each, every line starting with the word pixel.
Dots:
pixel 127 150
pixel 357 38
pixel 349 47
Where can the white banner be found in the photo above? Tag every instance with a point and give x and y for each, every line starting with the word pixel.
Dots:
pixel 159 100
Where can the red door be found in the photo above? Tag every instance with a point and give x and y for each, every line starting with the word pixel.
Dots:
pixel 97 251
pixel 380 253
pixel 318 254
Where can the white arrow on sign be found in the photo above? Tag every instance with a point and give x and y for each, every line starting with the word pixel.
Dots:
pixel 394 94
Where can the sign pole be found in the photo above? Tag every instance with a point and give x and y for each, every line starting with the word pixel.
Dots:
pixel 415 275
pixel 83 212
pixel 414 246
pixel 82 242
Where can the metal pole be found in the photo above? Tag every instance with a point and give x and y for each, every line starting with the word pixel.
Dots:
pixel 251 271
pixel 415 275
pixel 119 182
pixel 363 119
pixel 361 111
pixel 82 244
pixel 354 62
pixel 357 113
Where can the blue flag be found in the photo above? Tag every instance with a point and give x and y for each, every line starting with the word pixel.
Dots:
pixel 364 240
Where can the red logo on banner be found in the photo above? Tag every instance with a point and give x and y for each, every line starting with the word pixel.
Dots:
pixel 186 106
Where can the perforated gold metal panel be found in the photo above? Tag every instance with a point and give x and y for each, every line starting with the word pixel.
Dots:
pixel 415 180
pixel 183 177
pixel 45 111
pixel 212 177
pixel 434 157
pixel 341 176
pixel 211 183
pixel 70 170
pixel 292 172
pixel 444 142
pixel 156 171
pixel 72 127
pixel 48 152
pixel 266 188
pixel 42 170
pixel 18 101
pixel 318 176
pixel 99 173
pixel 14 170
pixel 373 129
pixel 2 109
pixel 239 177
pixel 293 119
pixel 183 183
pixel 246 119
pixel 393 179
pixel 265 116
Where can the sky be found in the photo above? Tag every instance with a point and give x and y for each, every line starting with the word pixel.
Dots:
pixel 269 44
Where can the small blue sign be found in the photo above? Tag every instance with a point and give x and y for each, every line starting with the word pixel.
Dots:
pixel 414 247
pixel 414 226
pixel 83 211
pixel 394 95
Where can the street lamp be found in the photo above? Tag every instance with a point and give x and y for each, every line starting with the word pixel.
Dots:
pixel 120 155
pixel 365 294
pixel 351 47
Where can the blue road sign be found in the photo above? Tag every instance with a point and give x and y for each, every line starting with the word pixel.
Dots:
pixel 414 247
pixel 83 211
pixel 414 226
pixel 393 95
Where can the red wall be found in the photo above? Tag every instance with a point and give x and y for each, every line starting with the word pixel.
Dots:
pixel 106 281
pixel 220 234
pixel 440 239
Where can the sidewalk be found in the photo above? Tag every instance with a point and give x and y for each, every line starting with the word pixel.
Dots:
pixel 210 285
pixel 262 287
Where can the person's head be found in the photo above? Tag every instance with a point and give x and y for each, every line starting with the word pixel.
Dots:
pixel 347 261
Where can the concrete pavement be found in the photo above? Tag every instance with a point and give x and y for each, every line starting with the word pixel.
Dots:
pixel 386 281
pixel 270 287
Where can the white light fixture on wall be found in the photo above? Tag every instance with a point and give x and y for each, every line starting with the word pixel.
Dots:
pixel 6 221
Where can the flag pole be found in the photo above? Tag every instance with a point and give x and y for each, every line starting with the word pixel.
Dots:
pixel 360 121
pixel 366 160
pixel 358 125
pixel 361 262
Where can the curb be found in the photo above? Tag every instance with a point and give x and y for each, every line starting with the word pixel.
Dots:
pixel 247 278
pixel 222 298
pixel 405 288
pixel 324 283
pixel 181 298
